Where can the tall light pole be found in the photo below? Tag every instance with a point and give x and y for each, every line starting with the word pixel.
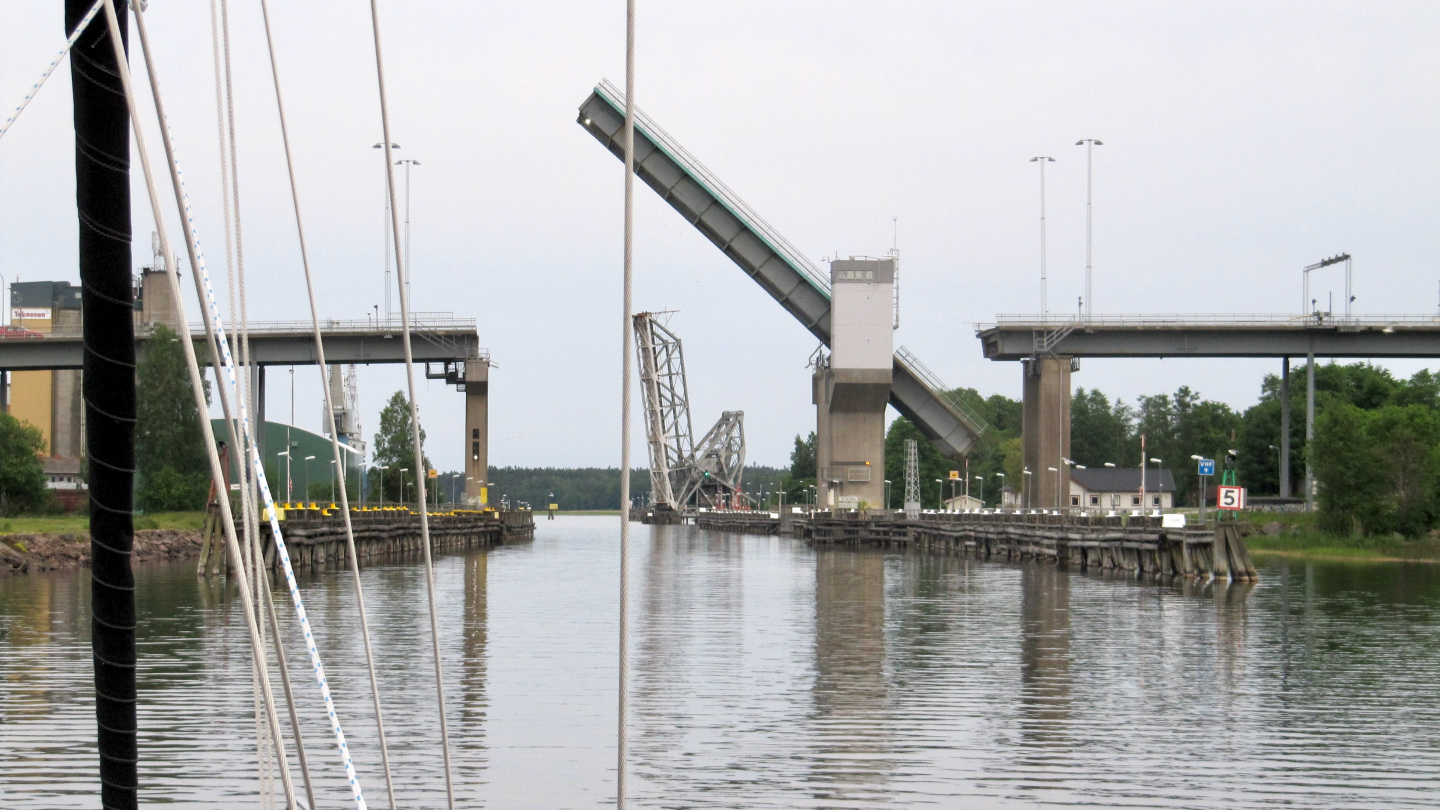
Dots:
pixel 308 459
pixel 1056 470
pixel 1044 302
pixel 1089 144
pixel 288 493
pixel 387 233
pixel 941 505
pixel 1001 476
pixel 403 485
pixel 981 479
pixel 1025 476
pixel 409 272
pixel 1157 462
pixel 383 468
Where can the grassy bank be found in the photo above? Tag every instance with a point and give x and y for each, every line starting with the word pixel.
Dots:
pixel 76 524
pixel 1299 538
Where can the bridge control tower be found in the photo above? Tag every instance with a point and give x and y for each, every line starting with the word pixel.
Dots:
pixel 852 387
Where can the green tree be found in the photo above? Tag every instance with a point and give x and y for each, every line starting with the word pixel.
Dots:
pixel 395 448
pixel 22 476
pixel 1099 429
pixel 170 457
pixel 802 470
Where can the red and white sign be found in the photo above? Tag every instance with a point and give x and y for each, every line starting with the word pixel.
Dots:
pixel 29 314
pixel 1229 497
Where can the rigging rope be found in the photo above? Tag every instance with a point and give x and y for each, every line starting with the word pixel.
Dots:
pixel 329 408
pixel 197 388
pixel 400 270
pixel 626 327
pixel 223 358
pixel 50 68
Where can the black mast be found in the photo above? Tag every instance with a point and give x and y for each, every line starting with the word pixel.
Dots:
pixel 102 197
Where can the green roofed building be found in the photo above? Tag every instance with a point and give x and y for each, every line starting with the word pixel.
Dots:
pixel 316 473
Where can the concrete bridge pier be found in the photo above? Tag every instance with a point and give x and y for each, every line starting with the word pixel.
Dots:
pixel 1046 431
pixel 477 431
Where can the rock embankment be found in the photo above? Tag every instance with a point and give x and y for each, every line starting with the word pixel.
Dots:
pixel 47 552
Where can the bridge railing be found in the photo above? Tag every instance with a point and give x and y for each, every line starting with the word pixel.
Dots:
pixel 1219 320
pixel 722 192
pixel 420 323
pixel 977 423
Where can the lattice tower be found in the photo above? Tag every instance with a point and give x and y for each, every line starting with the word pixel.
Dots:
pixel 912 474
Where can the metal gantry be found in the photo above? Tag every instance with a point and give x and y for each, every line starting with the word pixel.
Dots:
pixel 683 473
pixel 912 478
pixel 667 407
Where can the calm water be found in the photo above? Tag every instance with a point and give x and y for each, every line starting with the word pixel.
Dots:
pixel 768 675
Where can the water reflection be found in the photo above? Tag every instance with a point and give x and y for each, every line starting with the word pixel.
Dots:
pixel 851 686
pixel 768 675
pixel 1044 656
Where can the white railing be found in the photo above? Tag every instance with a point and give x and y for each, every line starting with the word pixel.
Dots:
pixel 421 323
pixel 977 423
pixel 717 187
pixel 1216 320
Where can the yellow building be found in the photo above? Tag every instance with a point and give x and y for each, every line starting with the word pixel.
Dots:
pixel 51 400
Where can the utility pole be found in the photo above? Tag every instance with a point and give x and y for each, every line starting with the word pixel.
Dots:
pixel 1089 144
pixel 1044 302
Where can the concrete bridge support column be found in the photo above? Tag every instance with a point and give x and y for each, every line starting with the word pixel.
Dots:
pixel 477 431
pixel 1284 427
pixel 850 436
pixel 1046 430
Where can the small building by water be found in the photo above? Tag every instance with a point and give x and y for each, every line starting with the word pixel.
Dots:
pixel 1118 488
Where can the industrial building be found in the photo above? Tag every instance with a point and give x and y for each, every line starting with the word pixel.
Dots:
pixel 49 399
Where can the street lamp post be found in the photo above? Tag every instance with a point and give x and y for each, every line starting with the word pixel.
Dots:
pixel 1056 470
pixel 308 459
pixel 409 273
pixel 383 468
pixel 404 498
pixel 1089 144
pixel 1059 498
pixel 1025 476
pixel 941 505
pixel 1044 303
pixel 1001 476
pixel 981 479
pixel 388 241
pixel 1157 462
pixel 288 493
pixel 887 494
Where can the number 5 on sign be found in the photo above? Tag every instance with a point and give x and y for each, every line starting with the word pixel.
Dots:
pixel 1230 498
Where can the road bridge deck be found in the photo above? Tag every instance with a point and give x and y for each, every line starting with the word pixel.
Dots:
pixel 1016 337
pixel 434 339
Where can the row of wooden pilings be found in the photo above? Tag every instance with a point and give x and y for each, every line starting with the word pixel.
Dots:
pixel 1141 545
pixel 314 540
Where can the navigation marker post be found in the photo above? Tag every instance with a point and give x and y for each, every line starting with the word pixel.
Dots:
pixel 1204 467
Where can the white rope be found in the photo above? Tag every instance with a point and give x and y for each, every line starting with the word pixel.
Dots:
pixel 50 68
pixel 329 409
pixel 257 647
pixel 400 270
pixel 623 698
pixel 215 332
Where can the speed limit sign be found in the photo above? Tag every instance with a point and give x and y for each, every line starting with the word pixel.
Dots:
pixel 1229 497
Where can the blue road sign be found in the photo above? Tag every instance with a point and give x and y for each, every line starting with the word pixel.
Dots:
pixel 1207 467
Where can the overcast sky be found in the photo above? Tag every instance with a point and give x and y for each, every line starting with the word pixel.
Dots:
pixel 1242 142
